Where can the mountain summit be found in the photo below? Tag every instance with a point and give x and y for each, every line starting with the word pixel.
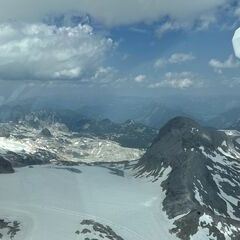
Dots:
pixel 202 187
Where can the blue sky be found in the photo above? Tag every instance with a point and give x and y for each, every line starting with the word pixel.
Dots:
pixel 128 47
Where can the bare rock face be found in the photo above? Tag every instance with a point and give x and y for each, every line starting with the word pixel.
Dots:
pixel 9 229
pixel 90 229
pixel 4 132
pixel 204 178
pixel 5 166
pixel 45 133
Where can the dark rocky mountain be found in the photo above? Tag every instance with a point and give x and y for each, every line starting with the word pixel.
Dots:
pixel 5 166
pixel 203 185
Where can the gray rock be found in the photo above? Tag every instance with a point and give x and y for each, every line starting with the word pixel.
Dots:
pixel 4 132
pixel 5 166
pixel 45 133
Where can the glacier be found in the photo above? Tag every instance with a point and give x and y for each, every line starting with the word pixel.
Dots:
pixel 51 201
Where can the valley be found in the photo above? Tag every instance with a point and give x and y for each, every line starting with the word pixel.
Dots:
pixel 185 186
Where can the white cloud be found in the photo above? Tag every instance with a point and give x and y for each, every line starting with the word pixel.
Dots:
pixel 140 78
pixel 229 63
pixel 236 42
pixel 172 26
pixel 109 12
pixel 161 62
pixel 200 24
pixel 175 58
pixel 42 52
pixel 181 57
pixel 181 80
pixel 103 72
pixel 205 21
pixel 104 75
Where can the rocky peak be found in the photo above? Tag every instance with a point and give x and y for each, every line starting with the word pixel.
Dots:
pixel 203 178
pixel 46 133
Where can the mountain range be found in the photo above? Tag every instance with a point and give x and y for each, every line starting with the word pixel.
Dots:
pixel 186 185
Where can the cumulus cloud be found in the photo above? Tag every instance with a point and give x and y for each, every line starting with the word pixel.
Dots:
pixel 109 12
pixel 42 52
pixel 103 72
pixel 175 58
pixel 140 78
pixel 201 23
pixel 229 63
pixel 236 41
pixel 205 21
pixel 181 80
pixel 172 26
pixel 180 57
pixel 104 75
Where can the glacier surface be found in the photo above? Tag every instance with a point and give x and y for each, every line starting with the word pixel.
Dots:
pixel 50 202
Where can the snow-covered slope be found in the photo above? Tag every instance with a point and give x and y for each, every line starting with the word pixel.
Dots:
pixel 59 145
pixel 56 202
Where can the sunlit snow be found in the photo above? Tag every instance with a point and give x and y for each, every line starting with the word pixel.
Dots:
pixel 50 202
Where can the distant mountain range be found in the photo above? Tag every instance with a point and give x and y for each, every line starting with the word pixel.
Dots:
pixel 148 113
pixel 151 111
pixel 227 120
pixel 129 133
